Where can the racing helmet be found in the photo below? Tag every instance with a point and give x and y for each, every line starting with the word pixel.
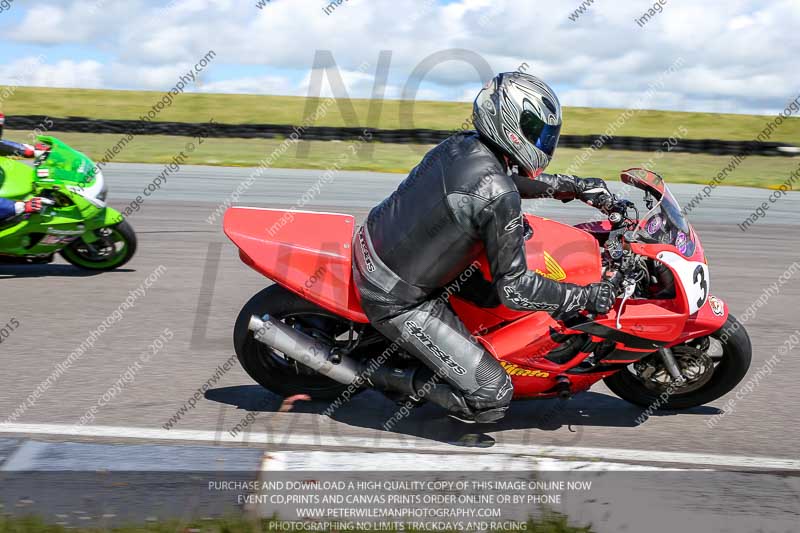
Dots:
pixel 520 115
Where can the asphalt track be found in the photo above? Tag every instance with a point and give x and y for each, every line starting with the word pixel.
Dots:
pixel 203 285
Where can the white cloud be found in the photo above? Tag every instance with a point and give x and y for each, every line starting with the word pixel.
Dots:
pixel 740 55
pixel 35 71
pixel 46 24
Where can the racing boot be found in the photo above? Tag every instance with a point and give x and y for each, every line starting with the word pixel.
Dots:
pixel 419 384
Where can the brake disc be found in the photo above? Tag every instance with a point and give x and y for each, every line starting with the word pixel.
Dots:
pixel 695 365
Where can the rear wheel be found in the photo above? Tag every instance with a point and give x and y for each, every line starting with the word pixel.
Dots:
pixel 114 246
pixel 271 368
pixel 713 366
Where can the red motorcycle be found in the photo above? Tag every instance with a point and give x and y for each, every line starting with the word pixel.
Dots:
pixel 667 343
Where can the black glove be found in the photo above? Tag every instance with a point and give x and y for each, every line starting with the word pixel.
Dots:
pixel 594 192
pixel 597 298
pixel 600 297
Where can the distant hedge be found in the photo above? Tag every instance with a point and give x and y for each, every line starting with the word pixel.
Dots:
pixel 412 136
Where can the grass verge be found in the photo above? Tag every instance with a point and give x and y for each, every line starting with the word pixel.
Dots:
pixel 755 171
pixel 260 109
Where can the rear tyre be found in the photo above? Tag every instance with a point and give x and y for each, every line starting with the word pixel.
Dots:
pixel 731 357
pixel 270 368
pixel 115 246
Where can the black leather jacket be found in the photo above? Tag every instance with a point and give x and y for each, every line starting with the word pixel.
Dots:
pixel 457 202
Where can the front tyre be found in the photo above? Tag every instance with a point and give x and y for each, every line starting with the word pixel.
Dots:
pixel 728 351
pixel 114 246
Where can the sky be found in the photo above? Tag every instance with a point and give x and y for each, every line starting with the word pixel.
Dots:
pixel 734 56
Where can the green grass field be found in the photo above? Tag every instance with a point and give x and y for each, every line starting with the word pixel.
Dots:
pixel 252 109
pixel 687 168
pixel 677 168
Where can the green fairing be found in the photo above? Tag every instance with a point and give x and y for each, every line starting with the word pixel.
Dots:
pixel 70 179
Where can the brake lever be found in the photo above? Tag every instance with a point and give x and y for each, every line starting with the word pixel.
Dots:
pixel 628 287
pixel 48 208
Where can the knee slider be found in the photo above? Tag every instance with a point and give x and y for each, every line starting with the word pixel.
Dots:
pixel 495 386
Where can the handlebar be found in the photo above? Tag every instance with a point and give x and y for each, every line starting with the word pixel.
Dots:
pixel 619 259
pixel 617 210
pixel 616 280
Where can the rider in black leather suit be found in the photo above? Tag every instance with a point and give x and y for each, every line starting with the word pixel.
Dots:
pixel 463 199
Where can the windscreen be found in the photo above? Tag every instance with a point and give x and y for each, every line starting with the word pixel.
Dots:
pixel 666 224
pixel 65 164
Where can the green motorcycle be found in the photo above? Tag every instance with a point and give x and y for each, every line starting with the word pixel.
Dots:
pixel 78 225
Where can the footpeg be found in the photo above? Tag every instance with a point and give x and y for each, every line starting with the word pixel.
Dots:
pixel 392 379
pixel 409 401
pixel 335 356
pixel 564 388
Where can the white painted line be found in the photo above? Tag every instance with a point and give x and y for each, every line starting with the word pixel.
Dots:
pixel 292 461
pixel 411 444
pixel 290 210
pixel 22 457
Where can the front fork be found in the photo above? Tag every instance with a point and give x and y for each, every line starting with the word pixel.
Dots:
pixel 671 364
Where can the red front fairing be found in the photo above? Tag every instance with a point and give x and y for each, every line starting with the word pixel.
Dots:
pixel 704 322
pixel 520 341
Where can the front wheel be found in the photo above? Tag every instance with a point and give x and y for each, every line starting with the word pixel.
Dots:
pixel 713 367
pixel 114 246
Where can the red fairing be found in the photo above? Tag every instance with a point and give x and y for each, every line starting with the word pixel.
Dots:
pixel 523 341
pixel 710 318
pixel 649 319
pixel 308 253
pixel 562 252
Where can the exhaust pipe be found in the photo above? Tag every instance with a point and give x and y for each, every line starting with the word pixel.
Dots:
pixel 313 353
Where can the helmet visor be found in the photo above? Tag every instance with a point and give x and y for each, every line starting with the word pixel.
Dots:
pixel 542 135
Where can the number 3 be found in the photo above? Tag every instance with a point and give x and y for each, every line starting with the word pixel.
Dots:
pixel 699 277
